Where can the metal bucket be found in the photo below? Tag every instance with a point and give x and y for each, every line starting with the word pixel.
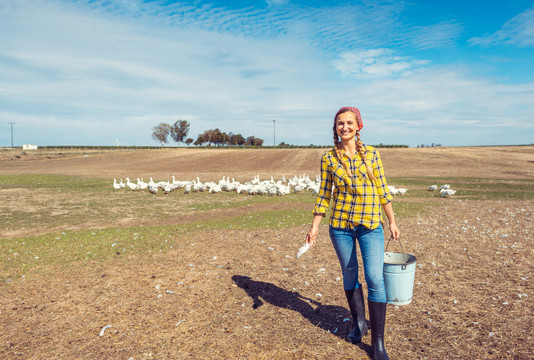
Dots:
pixel 399 276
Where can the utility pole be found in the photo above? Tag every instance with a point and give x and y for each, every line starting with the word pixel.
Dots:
pixel 11 123
pixel 274 133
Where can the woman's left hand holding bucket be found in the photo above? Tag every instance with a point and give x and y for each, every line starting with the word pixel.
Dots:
pixel 394 230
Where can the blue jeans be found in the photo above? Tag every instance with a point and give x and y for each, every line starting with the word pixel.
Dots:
pixel 372 250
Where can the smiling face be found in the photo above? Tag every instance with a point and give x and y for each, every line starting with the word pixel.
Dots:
pixel 346 126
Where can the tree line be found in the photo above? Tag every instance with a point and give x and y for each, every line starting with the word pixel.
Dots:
pixel 180 129
pixel 178 132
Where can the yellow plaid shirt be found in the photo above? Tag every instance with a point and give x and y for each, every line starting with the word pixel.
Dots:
pixel 357 200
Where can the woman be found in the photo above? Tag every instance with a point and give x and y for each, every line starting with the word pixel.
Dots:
pixel 352 176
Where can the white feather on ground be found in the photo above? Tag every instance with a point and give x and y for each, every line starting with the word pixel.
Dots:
pixel 303 249
pixel 104 330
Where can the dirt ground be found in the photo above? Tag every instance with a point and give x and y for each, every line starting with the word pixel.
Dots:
pixel 229 294
pixel 515 162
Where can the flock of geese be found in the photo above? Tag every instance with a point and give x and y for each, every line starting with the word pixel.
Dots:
pixel 254 187
pixel 444 190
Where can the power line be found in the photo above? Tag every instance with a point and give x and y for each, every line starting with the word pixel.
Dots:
pixel 11 123
pixel 274 133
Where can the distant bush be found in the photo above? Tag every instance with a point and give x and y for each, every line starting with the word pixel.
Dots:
pixel 431 145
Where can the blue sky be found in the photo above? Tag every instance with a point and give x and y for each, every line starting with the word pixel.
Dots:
pixel 99 72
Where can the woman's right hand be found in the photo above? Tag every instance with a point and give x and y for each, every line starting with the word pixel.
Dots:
pixel 311 236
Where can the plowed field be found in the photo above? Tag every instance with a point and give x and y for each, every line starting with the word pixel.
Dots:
pixel 93 273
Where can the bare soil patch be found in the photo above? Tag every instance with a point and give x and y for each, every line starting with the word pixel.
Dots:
pixel 243 295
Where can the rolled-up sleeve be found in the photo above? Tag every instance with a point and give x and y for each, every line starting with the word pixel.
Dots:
pixel 381 184
pixel 325 189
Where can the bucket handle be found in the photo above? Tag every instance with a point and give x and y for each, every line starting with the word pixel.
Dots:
pixel 403 253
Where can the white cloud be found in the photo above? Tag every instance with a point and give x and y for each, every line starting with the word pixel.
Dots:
pixel 445 105
pixel 443 34
pixel 375 63
pixel 517 31
pixel 277 2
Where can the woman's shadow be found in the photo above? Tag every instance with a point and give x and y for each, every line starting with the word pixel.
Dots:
pixel 327 317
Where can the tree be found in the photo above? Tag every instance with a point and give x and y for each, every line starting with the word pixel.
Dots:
pixel 254 141
pixel 179 130
pixel 220 138
pixel 223 138
pixel 237 139
pixel 207 136
pixel 161 133
pixel 213 136
pixel 189 141
pixel 216 136
pixel 200 140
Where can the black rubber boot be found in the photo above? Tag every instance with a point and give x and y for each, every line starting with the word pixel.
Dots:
pixel 357 309
pixel 377 314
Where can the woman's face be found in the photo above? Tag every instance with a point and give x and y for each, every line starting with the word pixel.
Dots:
pixel 346 126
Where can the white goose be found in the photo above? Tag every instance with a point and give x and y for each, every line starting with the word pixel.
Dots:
pixel 447 192
pixel 141 185
pixel 168 188
pixel 198 186
pixel 215 189
pixel 130 184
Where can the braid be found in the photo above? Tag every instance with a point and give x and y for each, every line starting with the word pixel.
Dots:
pixel 362 149
pixel 337 149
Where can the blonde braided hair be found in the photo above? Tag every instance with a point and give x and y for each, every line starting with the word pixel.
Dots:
pixel 360 148
pixel 337 149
